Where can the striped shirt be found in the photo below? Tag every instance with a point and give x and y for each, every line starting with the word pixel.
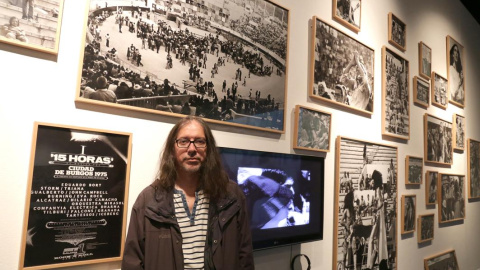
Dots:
pixel 193 227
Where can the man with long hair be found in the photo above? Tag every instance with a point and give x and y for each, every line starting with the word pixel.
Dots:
pixel 192 215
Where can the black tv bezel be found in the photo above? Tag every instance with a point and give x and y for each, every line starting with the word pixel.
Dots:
pixel 276 237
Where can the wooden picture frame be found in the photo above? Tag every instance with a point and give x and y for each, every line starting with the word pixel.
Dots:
pixel 456 72
pixel 365 171
pixel 397 32
pixel 34 26
pixel 473 168
pixel 180 79
pixel 441 261
pixel 312 129
pixel 395 95
pixel 339 86
pixel 77 195
pixel 348 13
pixel 431 184
pixel 459 131
pixel 409 212
pixel 426 228
pixel 439 93
pixel 424 60
pixel 437 133
pixel 451 197
pixel 413 170
pixel 421 92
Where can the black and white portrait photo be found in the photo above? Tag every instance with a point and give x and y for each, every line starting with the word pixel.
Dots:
pixel 397 32
pixel 451 197
pixel 425 60
pixel 438 146
pixel 459 132
pixel 425 228
pixel 439 91
pixel 414 170
pixel 342 69
pixel 456 72
pixel 396 105
pixel 312 129
pixel 348 13
pixel 473 169
pixel 446 260
pixel 366 202
pixel 225 61
pixel 431 183
pixel 408 213
pixel 421 92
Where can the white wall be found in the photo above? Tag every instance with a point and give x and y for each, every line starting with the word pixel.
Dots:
pixel 39 87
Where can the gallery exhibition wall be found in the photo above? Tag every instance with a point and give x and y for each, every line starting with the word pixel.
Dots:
pixel 42 87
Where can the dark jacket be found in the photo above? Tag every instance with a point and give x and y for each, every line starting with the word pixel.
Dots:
pixel 154 240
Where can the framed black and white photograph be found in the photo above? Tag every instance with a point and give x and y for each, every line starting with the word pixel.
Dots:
pixel 431 182
pixel 439 91
pixel 342 69
pixel 366 189
pixel 31 24
pixel 397 32
pixel 413 170
pixel 424 60
pixel 409 206
pixel 421 92
pixel 76 197
pixel 456 72
pixel 437 140
pixel 425 227
pixel 446 260
pixel 473 164
pixel 348 13
pixel 459 131
pixel 451 197
pixel 229 67
pixel 312 129
pixel 395 95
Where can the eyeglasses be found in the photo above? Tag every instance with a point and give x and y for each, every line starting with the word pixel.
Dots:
pixel 185 143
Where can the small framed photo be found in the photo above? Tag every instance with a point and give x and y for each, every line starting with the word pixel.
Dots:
pixel 456 72
pixel 409 203
pixel 458 132
pixel 421 92
pixel 445 260
pixel 348 13
pixel 451 197
pixel 413 170
pixel 439 91
pixel 395 95
pixel 437 135
pixel 312 129
pixel 397 32
pixel 473 164
pixel 424 60
pixel 425 227
pixel 431 182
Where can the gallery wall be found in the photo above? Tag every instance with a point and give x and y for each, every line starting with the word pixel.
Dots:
pixel 41 87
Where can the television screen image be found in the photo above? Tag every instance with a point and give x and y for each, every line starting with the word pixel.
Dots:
pixel 284 194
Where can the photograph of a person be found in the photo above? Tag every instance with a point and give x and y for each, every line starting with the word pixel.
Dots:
pixel 446 260
pixel 229 67
pixel 409 206
pixel 437 140
pixel 348 13
pixel 431 182
pixel 451 197
pixel 397 32
pixel 426 226
pixel 456 72
pixel 342 69
pixel 459 132
pixel 312 129
pixel 473 164
pixel 439 91
pixel 421 92
pixel 413 170
pixel 424 60
pixel 31 24
pixel 395 95
pixel 365 205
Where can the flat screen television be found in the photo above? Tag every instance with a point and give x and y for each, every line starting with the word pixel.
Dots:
pixel 284 194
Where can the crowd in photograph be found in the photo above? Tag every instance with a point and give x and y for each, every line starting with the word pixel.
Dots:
pixel 439 143
pixel 453 201
pixel 397 112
